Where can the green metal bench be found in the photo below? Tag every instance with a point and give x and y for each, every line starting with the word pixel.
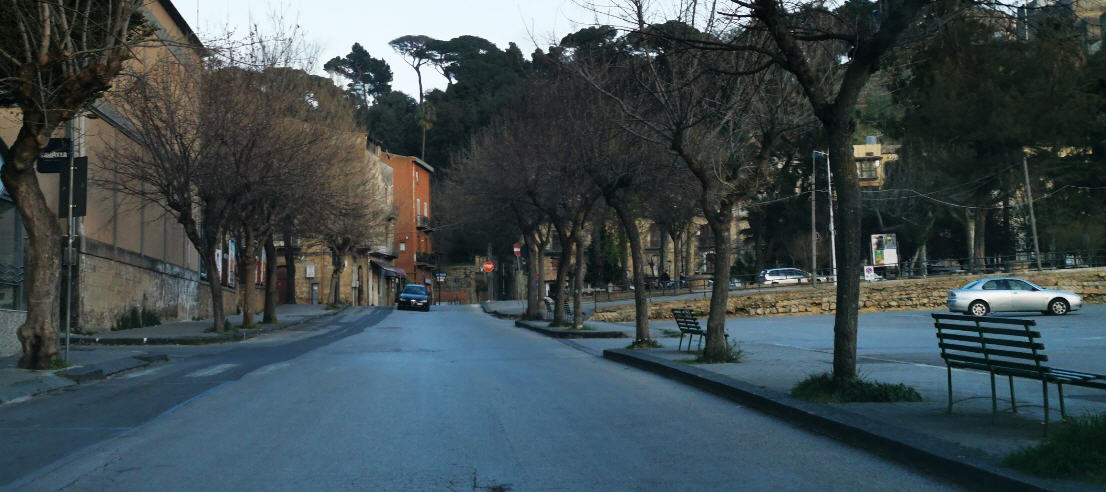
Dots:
pixel 1004 347
pixel 688 325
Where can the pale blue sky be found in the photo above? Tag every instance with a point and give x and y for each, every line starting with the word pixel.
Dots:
pixel 334 25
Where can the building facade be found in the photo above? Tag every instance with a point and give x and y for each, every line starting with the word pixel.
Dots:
pixel 413 242
pixel 129 252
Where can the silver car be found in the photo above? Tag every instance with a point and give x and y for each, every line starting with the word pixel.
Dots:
pixel 1011 294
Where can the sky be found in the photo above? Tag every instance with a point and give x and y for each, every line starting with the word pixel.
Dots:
pixel 334 25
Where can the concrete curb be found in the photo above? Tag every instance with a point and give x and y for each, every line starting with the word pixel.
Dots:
pixel 555 333
pixel 965 466
pixel 206 339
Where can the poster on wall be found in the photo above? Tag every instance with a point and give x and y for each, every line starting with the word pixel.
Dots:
pixel 232 262
pixel 218 265
pixel 884 250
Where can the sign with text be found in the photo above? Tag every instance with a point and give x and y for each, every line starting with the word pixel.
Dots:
pixel 54 157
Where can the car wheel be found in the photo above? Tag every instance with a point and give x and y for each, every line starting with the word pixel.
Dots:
pixel 978 308
pixel 1058 307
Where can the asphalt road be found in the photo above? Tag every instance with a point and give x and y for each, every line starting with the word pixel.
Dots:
pixel 446 400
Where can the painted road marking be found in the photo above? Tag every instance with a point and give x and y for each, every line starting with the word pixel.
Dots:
pixel 140 373
pixel 210 371
pixel 270 368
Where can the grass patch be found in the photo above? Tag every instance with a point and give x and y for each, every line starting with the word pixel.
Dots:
pixel 1076 450
pixel 668 332
pixel 647 343
pixel 731 354
pixel 822 388
pixel 59 363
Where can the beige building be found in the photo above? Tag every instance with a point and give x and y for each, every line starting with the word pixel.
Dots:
pixel 872 159
pixel 369 276
pixel 130 253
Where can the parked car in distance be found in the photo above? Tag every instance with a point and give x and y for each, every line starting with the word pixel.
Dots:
pixel 414 296
pixel 781 276
pixel 1008 294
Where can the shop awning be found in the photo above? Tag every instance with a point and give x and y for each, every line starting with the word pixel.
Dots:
pixel 390 271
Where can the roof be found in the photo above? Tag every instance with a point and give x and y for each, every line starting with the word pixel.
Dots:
pixel 387 156
pixel 179 20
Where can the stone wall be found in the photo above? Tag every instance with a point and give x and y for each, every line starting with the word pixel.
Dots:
pixel 111 281
pixel 892 295
pixel 9 322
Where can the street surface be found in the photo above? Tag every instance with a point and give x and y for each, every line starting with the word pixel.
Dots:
pixel 383 400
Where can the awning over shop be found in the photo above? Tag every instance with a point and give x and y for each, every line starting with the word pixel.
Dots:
pixel 390 271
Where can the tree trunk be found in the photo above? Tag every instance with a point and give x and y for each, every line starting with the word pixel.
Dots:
pixel 848 252
pixel 577 312
pixel 42 268
pixel 719 222
pixel 641 301
pixel 271 295
pixel 563 266
pixel 289 267
pixel 533 278
pixel 663 255
pixel 215 282
pixel 336 278
pixel 246 286
pixel 979 251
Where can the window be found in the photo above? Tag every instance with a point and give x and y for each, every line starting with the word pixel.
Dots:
pixel 309 270
pixel 994 285
pixel 426 209
pixel 403 246
pixel 869 170
pixel 418 205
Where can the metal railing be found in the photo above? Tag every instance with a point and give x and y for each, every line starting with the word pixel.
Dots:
pixel 424 222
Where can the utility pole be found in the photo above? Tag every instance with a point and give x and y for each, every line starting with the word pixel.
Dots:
pixel 833 235
pixel 1032 216
pixel 71 130
pixel 813 231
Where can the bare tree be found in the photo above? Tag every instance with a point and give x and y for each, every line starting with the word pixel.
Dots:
pixel 55 59
pixel 723 114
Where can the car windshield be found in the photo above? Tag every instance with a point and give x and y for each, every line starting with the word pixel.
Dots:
pixel 414 289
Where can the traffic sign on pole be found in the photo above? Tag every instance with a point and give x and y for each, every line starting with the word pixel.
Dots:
pixel 518 250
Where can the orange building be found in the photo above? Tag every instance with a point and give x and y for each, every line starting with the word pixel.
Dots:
pixel 413 245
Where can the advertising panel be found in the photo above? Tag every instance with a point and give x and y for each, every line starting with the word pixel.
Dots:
pixel 884 250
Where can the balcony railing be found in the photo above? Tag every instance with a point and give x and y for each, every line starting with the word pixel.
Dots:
pixel 425 258
pixel 424 222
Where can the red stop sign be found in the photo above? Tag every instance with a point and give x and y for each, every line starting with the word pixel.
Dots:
pixel 489 266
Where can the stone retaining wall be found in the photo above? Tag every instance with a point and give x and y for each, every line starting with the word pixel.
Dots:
pixel 112 281
pixel 9 322
pixel 892 295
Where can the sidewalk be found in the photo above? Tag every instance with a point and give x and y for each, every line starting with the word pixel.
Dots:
pixel 964 445
pixel 92 363
pixel 196 332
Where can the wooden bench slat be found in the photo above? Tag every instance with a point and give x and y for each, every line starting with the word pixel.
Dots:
pixel 989 319
pixel 992 341
pixel 988 330
pixel 996 364
pixel 990 351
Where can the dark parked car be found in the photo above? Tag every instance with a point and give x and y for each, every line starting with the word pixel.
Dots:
pixel 414 296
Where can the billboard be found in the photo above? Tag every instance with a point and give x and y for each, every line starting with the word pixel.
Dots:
pixel 884 250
